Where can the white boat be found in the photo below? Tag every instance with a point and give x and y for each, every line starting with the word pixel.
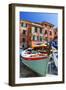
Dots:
pixel 30 54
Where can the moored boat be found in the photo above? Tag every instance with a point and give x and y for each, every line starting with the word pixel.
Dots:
pixel 35 60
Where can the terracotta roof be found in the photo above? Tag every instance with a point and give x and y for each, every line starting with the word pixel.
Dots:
pixel 38 24
pixel 47 23
pixel 25 21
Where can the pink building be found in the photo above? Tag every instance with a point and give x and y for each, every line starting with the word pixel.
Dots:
pixel 48 31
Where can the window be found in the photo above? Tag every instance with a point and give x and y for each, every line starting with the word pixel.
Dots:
pixel 45 25
pixel 23 39
pixel 45 32
pixel 55 32
pixel 40 38
pixel 23 46
pixel 50 33
pixel 23 24
pixel 33 37
pixel 40 30
pixel 24 32
pixel 35 29
pixel 30 31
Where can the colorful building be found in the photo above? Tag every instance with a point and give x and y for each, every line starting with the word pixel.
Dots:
pixel 25 36
pixel 36 34
pixel 48 31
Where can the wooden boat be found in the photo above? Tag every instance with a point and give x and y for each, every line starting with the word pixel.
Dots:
pixel 36 61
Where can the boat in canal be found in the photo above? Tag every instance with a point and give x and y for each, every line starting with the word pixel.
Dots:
pixel 36 61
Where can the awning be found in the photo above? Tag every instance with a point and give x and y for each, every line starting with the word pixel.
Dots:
pixel 42 45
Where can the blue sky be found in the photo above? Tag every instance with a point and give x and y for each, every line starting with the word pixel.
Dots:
pixel 40 17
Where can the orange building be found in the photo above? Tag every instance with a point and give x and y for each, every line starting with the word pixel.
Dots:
pixel 36 34
pixel 31 34
pixel 25 36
